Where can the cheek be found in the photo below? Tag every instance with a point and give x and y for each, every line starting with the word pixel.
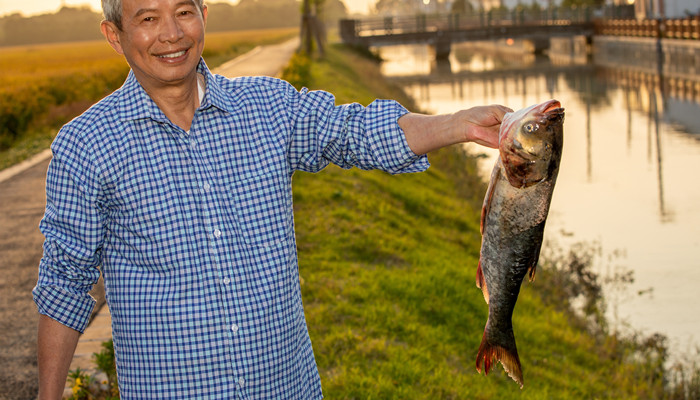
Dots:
pixel 140 40
pixel 196 32
pixel 532 144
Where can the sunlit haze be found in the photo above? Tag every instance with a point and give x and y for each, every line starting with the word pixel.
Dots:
pixel 32 7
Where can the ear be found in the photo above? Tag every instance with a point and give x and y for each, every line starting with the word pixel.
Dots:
pixel 111 33
pixel 205 13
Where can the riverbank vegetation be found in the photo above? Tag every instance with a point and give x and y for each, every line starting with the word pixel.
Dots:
pixel 44 86
pixel 388 265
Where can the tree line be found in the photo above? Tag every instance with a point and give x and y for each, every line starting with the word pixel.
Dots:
pixel 82 23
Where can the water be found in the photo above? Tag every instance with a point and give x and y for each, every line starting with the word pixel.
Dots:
pixel 630 172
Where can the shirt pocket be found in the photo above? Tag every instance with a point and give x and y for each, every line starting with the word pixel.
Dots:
pixel 262 207
pixel 148 231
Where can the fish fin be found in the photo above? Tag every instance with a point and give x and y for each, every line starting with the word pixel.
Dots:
pixel 533 267
pixel 481 282
pixel 532 270
pixel 495 176
pixel 506 354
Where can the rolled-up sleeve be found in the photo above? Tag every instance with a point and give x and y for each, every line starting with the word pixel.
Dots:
pixel 349 135
pixel 73 229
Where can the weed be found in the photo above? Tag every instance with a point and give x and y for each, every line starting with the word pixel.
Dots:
pixel 86 386
pixel 298 71
pixel 80 385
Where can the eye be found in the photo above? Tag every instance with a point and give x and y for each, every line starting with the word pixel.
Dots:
pixel 531 127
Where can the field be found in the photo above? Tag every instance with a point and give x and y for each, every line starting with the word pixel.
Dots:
pixel 44 86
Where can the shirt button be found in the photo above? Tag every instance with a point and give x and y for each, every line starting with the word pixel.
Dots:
pixel 217 233
pixel 206 186
pixel 226 281
pixel 241 382
pixel 234 328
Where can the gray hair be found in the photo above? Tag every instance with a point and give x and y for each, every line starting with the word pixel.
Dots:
pixel 112 10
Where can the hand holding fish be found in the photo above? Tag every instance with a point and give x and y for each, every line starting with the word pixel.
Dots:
pixel 482 124
pixel 425 133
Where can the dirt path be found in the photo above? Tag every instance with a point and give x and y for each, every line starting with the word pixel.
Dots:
pixel 21 207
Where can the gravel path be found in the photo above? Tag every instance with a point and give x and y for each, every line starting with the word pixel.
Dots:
pixel 22 201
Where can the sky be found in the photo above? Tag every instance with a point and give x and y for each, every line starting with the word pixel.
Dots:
pixel 31 7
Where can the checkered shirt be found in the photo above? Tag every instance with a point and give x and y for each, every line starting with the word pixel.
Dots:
pixel 194 231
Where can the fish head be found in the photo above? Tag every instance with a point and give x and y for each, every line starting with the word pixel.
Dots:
pixel 530 143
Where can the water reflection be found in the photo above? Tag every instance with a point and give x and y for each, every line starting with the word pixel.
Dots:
pixel 630 155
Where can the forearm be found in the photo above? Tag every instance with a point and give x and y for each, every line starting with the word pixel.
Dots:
pixel 56 346
pixel 425 133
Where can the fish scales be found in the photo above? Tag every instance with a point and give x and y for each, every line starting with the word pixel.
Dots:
pixel 512 223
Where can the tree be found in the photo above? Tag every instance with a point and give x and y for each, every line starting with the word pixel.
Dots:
pixel 311 27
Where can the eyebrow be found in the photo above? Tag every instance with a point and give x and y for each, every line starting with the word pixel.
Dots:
pixel 142 11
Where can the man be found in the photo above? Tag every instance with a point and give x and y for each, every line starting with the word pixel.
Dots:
pixel 179 186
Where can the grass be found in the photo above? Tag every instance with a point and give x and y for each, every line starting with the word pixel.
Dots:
pixel 388 265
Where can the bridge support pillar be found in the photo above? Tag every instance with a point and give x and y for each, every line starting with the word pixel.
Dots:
pixel 442 48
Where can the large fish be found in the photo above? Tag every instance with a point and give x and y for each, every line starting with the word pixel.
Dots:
pixel 512 223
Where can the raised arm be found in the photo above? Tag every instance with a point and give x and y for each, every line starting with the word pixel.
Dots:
pixel 425 133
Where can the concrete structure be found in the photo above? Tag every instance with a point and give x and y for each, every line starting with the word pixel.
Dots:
pixel 666 8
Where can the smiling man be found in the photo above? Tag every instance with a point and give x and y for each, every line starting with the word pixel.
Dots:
pixel 178 187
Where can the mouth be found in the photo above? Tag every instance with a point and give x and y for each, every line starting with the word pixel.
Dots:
pixel 551 106
pixel 173 56
pixel 552 110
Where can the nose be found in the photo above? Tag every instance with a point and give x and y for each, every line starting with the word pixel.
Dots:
pixel 171 30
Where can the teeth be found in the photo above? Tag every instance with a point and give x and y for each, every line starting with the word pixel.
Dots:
pixel 173 55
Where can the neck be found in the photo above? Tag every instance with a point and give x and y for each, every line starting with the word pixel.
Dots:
pixel 178 102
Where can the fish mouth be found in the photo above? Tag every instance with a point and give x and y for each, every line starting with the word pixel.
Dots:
pixel 550 106
pixel 551 111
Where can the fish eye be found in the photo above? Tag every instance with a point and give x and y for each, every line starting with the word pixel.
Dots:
pixel 531 127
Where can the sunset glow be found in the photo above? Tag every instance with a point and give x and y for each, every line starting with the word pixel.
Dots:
pixel 32 7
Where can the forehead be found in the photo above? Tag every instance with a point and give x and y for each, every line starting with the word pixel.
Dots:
pixel 136 6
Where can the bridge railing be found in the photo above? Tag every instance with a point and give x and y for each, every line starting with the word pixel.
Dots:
pixel 682 28
pixel 392 25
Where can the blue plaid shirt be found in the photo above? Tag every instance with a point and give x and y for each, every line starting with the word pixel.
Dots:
pixel 194 231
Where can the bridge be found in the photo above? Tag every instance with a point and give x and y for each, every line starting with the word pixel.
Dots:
pixel 441 30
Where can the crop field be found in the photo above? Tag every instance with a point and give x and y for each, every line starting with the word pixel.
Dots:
pixel 44 86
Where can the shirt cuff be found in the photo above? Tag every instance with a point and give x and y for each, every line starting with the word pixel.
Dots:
pixel 70 309
pixel 408 161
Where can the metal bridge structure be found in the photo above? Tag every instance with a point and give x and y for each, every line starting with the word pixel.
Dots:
pixel 441 30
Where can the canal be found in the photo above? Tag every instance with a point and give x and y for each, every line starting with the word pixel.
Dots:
pixel 629 182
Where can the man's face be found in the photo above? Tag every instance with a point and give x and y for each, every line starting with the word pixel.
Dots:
pixel 162 40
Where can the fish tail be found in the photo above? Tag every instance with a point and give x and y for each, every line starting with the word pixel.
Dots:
pixel 481 282
pixel 506 353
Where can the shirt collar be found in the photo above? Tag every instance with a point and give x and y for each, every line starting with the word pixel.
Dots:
pixel 136 104
pixel 215 95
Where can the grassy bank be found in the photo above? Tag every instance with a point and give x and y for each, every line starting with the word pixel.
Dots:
pixel 44 86
pixel 388 266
